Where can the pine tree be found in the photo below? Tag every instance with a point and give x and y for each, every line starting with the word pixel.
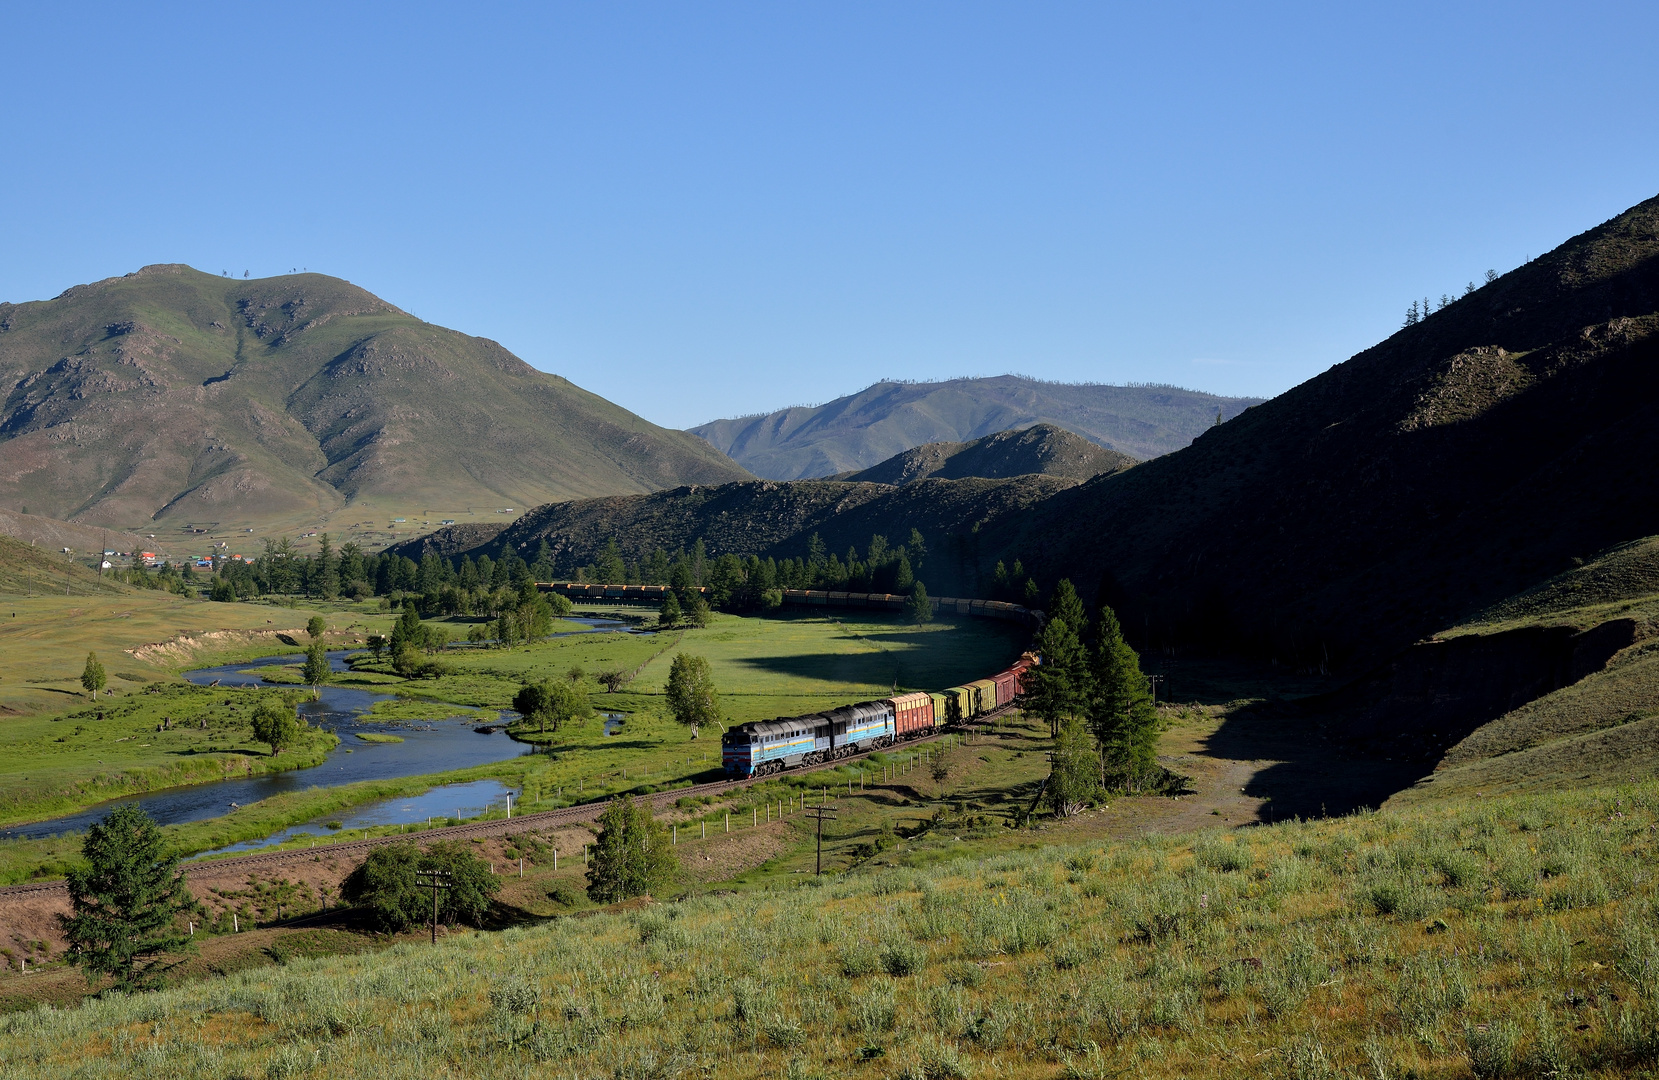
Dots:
pixel 919 607
pixel 1121 712
pixel 903 577
pixel 669 614
pixel 632 855
pixel 316 627
pixel 1075 776
pixel 126 900
pixel 1057 688
pixel 325 569
pixel 1064 603
pixel 690 692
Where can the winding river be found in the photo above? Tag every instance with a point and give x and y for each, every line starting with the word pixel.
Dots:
pixel 427 747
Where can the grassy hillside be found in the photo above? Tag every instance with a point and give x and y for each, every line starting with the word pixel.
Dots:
pixel 1491 938
pixel 1041 449
pixel 1461 461
pixel 207 400
pixel 863 429
pixel 1598 728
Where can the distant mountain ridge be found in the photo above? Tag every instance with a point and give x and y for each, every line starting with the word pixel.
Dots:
pixel 1041 449
pixel 170 394
pixel 864 429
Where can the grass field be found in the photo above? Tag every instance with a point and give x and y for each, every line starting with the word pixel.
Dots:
pixel 764 668
pixel 1487 938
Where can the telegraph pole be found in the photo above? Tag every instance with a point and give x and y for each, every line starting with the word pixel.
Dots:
pixel 822 814
pixel 434 880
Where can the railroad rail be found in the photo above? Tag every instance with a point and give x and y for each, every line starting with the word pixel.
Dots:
pixel 567 815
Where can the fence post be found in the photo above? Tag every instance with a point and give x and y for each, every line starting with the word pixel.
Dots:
pixel 754 818
pixel 676 834
pixel 555 860
pixel 728 821
pixel 705 835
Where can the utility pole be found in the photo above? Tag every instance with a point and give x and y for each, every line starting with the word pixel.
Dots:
pixel 1154 680
pixel 821 814
pixel 434 880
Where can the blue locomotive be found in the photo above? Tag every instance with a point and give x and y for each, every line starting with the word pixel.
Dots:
pixel 761 747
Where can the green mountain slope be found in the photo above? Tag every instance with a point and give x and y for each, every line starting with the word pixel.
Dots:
pixel 171 395
pixel 863 429
pixel 1040 449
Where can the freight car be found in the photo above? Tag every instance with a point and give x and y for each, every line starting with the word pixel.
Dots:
pixel 762 747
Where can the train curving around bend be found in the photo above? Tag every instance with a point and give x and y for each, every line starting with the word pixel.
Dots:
pixel 761 747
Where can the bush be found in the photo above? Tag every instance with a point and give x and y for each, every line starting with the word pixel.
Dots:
pixel 1234 857
pixel 901 958
pixel 385 884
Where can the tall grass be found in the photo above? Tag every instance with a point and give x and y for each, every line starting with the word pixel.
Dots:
pixel 1276 954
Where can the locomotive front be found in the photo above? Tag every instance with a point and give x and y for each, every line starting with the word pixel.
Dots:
pixel 738 750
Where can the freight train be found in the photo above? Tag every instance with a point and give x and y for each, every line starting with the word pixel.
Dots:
pixel 761 747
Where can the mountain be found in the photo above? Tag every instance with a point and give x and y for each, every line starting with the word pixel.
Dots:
pixel 765 517
pixel 1040 449
pixel 860 430
pixel 171 396
pixel 1470 456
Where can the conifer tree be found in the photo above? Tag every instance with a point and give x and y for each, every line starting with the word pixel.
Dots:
pixel 325 570
pixel 669 614
pixel 1121 712
pixel 316 627
pixel 125 901
pixel 1064 604
pixel 919 607
pixel 1057 688
pixel 92 676
pixel 1075 776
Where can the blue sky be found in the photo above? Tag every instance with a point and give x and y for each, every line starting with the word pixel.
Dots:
pixel 704 210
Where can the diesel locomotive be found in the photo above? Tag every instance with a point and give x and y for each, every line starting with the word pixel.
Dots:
pixel 761 747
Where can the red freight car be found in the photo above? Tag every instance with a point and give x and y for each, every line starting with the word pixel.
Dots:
pixel 912 715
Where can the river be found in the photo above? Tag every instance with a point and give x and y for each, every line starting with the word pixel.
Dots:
pixel 427 747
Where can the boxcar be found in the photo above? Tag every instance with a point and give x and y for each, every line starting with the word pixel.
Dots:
pixel 984 696
pixel 912 715
pixel 1004 681
pixel 941 708
pixel 958 704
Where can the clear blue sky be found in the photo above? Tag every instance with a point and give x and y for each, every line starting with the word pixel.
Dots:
pixel 702 210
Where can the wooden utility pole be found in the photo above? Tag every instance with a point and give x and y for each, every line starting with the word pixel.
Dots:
pixel 434 880
pixel 821 814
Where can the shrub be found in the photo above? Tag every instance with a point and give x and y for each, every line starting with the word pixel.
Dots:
pixel 385 884
pixel 1225 857
pixel 901 958
pixel 1491 1048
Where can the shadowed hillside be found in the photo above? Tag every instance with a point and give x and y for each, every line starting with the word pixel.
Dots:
pixel 1040 449
pixel 172 395
pixel 1461 461
pixel 863 429
pixel 761 518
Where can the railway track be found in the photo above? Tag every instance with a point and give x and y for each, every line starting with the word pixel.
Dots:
pixel 568 815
